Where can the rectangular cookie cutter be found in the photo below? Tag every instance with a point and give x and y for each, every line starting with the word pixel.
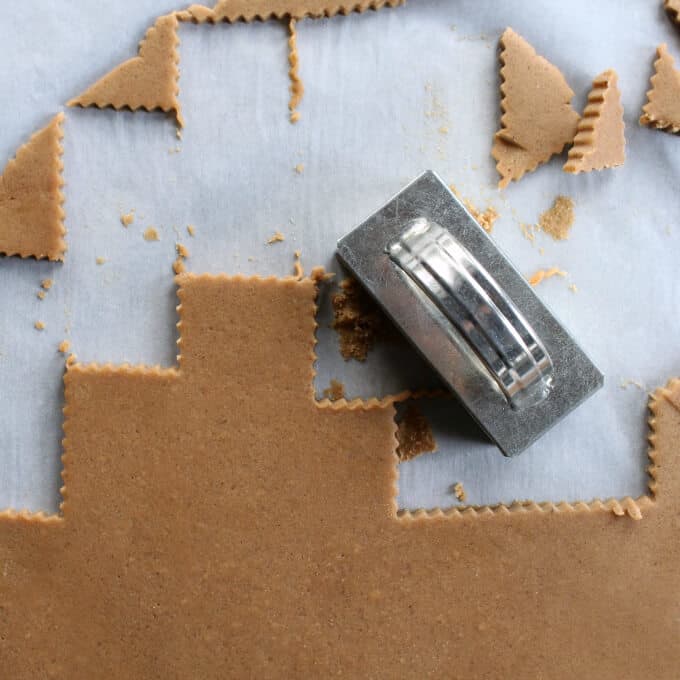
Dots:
pixel 470 313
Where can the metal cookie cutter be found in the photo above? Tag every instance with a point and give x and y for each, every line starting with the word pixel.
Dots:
pixel 470 313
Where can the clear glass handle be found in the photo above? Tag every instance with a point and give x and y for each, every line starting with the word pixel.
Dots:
pixel 478 308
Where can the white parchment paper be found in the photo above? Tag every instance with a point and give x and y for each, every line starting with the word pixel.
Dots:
pixel 388 95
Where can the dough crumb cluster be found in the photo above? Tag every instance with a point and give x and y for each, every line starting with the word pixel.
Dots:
pixel 558 219
pixel 485 218
pixel 178 265
pixel 335 391
pixel 414 434
pixel 358 321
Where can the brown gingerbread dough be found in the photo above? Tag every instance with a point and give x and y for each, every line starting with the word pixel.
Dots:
pixel 538 119
pixel 249 10
pixel 217 522
pixel 31 213
pixel 600 141
pixel 662 109
pixel 148 81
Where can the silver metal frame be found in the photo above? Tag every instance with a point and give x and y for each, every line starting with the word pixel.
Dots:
pixel 394 260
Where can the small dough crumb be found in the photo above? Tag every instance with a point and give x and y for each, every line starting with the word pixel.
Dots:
pixel 573 288
pixel 39 325
pixel 71 360
pixel 182 251
pixel 414 434
pixel 41 294
pixel 558 220
pixel 151 234
pixel 459 492
pixel 298 271
pixel 543 274
pixel 299 168
pixel 485 218
pixel 320 275
pixel 528 231
pixel 443 130
pixel 191 230
pixel 64 346
pixel 127 219
pixel 178 266
pixel 335 391
pixel 46 284
pixel 276 238
pixel 101 260
pixel 295 117
pixel 625 384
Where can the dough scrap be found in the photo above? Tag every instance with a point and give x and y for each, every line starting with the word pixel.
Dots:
pixel 249 10
pixel 276 237
pixel 334 391
pixel 358 320
pixel 414 434
pixel 31 212
pixel 148 81
pixel 600 141
pixel 151 234
pixel 662 109
pixel 297 88
pixel 217 522
pixel 543 274
pixel 673 9
pixel 538 119
pixel 459 491
pixel 558 220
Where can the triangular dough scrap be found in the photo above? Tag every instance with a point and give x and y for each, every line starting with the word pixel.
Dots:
pixel 538 119
pixel 600 142
pixel 249 10
pixel 662 109
pixel 31 213
pixel 148 81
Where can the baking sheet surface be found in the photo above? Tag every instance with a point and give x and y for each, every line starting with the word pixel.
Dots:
pixel 388 95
